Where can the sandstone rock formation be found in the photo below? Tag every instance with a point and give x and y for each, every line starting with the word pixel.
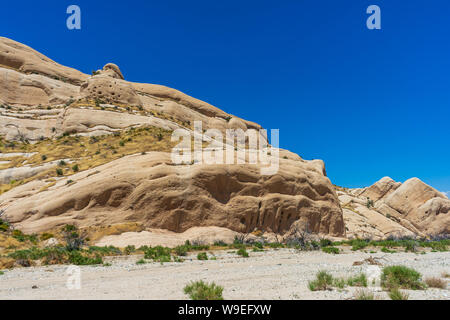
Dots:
pixel 389 208
pixel 150 190
pixel 44 100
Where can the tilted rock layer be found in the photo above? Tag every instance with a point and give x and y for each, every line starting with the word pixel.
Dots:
pixel 389 208
pixel 42 99
pixel 151 190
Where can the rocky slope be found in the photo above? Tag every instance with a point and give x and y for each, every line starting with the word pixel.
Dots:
pixel 389 208
pixel 71 153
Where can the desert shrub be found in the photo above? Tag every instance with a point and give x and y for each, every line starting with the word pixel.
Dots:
pixel 436 283
pixel 198 246
pixel 158 254
pixel 325 243
pixel 202 256
pixel 401 277
pixel 105 251
pixel 1 273
pixel 275 245
pixel 331 250
pixel 386 250
pixel 411 246
pixel 129 249
pixel 339 283
pixel 181 250
pixel 323 281
pixel 44 157
pixel 243 253
pixel 20 236
pixel 220 243
pixel 396 294
pixel 358 244
pixel 46 236
pixel 200 290
pixel 4 225
pixel 74 241
pixel 62 163
pixel 140 261
pixel 362 294
pixel 258 245
pixel 369 203
pixel 75 168
pixel 76 258
pixel 59 172
pixel 357 281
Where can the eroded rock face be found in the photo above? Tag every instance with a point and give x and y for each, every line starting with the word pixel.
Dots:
pixel 150 190
pixel 412 209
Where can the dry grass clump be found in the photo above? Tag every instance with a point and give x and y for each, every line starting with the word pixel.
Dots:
pixel 396 294
pixel 435 282
pixel 364 294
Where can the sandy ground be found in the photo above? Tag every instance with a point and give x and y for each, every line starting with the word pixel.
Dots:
pixel 273 274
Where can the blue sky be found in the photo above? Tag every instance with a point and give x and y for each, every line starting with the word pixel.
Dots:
pixel 370 103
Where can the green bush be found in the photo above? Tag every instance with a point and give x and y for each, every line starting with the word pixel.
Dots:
pixel 200 290
pixel 358 244
pixel 59 172
pixel 141 261
pixel 181 250
pixel 401 277
pixel 258 245
pixel 46 236
pixel 243 253
pixel 331 250
pixel 220 243
pixel 202 256
pixel 158 254
pixel 357 281
pixel 75 168
pixel 325 243
pixel 19 235
pixel 105 251
pixel 76 258
pixel 323 281
pixel 129 249
pixel 4 225
pixel 62 163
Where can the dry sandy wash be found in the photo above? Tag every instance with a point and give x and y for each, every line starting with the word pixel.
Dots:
pixel 274 274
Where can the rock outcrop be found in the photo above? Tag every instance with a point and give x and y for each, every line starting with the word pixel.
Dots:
pixel 150 190
pixel 43 100
pixel 389 208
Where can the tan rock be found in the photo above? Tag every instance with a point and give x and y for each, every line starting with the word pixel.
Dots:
pixel 150 190
pixel 380 189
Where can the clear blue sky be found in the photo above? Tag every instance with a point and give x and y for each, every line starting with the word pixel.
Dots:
pixel 370 103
